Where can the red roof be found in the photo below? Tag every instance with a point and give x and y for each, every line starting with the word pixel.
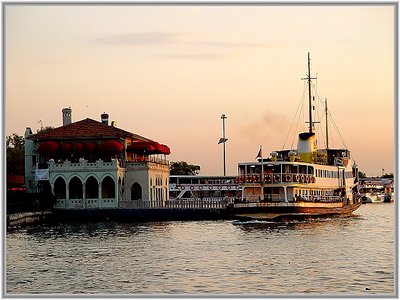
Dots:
pixel 86 128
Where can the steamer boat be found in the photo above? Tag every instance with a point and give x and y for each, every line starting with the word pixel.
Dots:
pixel 298 183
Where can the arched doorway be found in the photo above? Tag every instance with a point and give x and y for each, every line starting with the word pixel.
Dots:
pixel 75 188
pixel 136 191
pixel 60 188
pixel 92 188
pixel 108 188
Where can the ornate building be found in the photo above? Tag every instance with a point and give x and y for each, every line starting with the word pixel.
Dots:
pixel 89 164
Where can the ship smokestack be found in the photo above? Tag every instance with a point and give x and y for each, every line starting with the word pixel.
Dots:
pixel 307 146
pixel 104 118
pixel 67 116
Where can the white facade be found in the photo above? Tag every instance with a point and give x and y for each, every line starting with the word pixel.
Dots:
pixel 91 170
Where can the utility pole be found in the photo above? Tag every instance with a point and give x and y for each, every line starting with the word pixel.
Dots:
pixel 223 141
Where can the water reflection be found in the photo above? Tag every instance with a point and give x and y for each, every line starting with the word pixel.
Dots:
pixel 346 256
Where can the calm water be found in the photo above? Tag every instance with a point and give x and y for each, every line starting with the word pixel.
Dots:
pixel 342 256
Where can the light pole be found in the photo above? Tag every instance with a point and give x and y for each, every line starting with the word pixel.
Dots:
pixel 223 140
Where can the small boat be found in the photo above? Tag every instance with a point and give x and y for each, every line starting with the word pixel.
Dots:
pixel 372 190
pixel 298 183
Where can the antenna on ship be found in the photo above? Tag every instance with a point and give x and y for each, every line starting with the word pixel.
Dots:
pixel 326 121
pixel 309 95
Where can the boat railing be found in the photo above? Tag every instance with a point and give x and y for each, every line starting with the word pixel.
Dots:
pixel 197 203
pixel 318 198
pixel 211 202
pixel 276 178
pixel 281 198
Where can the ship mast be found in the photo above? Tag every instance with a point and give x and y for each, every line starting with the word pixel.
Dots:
pixel 309 95
pixel 326 121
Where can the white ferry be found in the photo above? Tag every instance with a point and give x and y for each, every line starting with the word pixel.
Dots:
pixel 302 182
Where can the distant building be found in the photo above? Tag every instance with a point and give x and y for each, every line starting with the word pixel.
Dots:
pixel 91 164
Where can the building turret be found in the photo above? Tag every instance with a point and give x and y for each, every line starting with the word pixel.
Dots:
pixel 67 116
pixel 30 162
pixel 104 118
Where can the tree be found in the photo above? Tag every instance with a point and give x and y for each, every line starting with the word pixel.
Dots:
pixel 183 168
pixel 361 174
pixel 387 175
pixel 15 154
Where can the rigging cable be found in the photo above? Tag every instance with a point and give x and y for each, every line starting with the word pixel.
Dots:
pixel 333 122
pixel 297 111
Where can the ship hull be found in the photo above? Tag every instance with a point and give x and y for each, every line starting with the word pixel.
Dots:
pixel 290 210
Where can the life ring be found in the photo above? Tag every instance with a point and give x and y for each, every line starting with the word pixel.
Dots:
pixel 228 187
pixel 220 187
pixel 307 179
pixel 302 178
pixel 296 177
pixel 288 177
pixel 182 187
pixel 200 187
pixel 210 187
pixel 269 178
pixel 192 187
pixel 277 177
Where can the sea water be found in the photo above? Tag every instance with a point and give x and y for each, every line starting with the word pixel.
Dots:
pixel 334 256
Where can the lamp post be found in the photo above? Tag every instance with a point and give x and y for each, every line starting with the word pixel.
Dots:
pixel 223 140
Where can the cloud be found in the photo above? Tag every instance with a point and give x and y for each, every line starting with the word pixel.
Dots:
pixel 142 38
pixel 164 38
pixel 230 44
pixel 196 56
pixel 199 48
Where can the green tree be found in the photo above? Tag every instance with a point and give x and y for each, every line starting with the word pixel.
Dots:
pixel 387 175
pixel 361 174
pixel 183 168
pixel 15 154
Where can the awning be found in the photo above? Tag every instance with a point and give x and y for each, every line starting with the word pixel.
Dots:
pixel 48 147
pixel 111 146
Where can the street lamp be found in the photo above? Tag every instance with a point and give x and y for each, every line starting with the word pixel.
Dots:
pixel 223 140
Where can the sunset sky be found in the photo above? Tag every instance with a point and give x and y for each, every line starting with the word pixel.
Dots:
pixel 169 72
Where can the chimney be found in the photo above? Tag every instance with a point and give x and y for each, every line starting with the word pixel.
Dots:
pixel 104 118
pixel 67 119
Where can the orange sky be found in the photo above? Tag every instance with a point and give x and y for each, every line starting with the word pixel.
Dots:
pixel 169 72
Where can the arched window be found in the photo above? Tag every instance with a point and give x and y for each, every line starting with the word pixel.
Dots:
pixel 136 191
pixel 92 188
pixel 108 188
pixel 75 188
pixel 60 188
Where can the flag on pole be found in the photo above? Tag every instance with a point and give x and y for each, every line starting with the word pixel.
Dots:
pixel 222 140
pixel 259 155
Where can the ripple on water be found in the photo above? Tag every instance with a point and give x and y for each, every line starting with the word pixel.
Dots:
pixel 342 256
